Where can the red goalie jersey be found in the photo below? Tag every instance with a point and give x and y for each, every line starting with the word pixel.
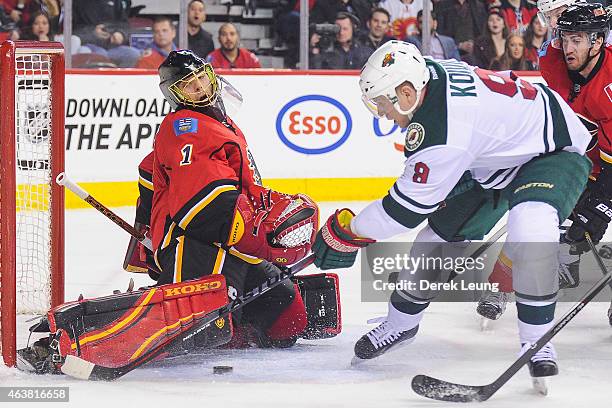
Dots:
pixel 592 101
pixel 200 167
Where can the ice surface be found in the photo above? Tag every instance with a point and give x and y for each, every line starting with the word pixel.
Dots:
pixel 316 374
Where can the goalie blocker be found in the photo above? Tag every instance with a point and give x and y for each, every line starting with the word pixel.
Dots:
pixel 116 330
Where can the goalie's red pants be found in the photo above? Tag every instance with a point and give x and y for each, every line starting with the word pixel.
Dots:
pixel 279 314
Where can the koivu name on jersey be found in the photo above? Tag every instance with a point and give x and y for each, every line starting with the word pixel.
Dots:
pixel 461 79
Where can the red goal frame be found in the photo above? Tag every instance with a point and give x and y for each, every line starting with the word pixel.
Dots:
pixel 9 50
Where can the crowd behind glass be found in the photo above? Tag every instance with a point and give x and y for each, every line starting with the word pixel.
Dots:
pixel 492 34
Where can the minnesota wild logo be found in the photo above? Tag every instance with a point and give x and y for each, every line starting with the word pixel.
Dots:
pixel 388 60
pixel 415 135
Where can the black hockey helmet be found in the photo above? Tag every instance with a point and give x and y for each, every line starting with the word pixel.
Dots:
pixel 180 68
pixel 585 17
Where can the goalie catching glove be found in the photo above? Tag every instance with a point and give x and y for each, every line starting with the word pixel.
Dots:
pixel 277 227
pixel 593 216
pixel 335 245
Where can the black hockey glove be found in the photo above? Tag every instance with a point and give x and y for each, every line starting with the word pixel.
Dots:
pixel 593 216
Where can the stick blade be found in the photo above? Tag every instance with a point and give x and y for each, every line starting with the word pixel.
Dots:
pixel 445 391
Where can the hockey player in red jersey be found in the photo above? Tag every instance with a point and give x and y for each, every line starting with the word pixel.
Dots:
pixel 216 234
pixel 578 65
pixel 204 202
pixel 270 207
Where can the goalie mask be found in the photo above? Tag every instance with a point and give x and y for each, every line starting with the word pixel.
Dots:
pixel 186 80
pixel 389 66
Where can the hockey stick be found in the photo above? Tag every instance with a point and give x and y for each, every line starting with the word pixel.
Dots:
pixel 606 252
pixel 484 247
pixel 79 368
pixel 446 391
pixel 63 180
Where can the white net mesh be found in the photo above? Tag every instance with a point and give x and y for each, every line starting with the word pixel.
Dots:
pixel 33 178
pixel 299 234
pixel 29 84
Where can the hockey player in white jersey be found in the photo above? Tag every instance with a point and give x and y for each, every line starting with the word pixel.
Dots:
pixel 521 144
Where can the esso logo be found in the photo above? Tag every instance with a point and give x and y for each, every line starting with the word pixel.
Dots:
pixel 313 124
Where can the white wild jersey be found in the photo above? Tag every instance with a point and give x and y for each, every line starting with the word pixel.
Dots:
pixel 473 119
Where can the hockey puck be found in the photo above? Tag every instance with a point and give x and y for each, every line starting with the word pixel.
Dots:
pixel 222 369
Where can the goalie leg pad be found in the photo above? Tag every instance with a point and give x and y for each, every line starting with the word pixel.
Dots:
pixel 115 330
pixel 321 296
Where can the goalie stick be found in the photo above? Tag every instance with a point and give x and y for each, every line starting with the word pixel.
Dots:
pixel 79 368
pixel 63 180
pixel 446 391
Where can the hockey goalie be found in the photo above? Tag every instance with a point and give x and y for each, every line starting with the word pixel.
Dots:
pixel 217 233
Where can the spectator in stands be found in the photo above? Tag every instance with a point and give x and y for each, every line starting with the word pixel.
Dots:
pixel 200 40
pixel 514 56
pixel 403 16
pixel 230 55
pixel 325 11
pixel 490 46
pixel 94 20
pixel 518 13
pixel 8 28
pixel 53 9
pixel 164 34
pixel 41 30
pixel 442 47
pixel 534 36
pixel 378 25
pixel 287 28
pixel 346 53
pixel 463 20
pixel 19 11
pixel 102 27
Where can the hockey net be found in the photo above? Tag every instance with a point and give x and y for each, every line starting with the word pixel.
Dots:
pixel 31 204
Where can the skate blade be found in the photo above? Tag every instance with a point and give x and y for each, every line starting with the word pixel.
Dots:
pixel 540 385
pixel 356 361
pixel 484 324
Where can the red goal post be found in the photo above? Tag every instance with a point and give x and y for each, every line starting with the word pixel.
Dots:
pixel 31 203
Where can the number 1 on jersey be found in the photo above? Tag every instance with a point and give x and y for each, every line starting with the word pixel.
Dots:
pixel 186 152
